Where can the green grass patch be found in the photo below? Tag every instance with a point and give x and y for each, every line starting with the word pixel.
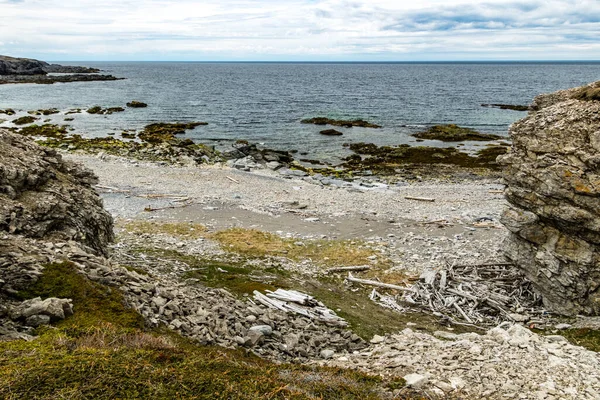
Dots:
pixel 327 253
pixel 179 229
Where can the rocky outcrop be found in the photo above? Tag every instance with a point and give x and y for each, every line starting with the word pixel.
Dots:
pixel 28 66
pixel 553 186
pixel 26 70
pixel 43 196
pixel 21 66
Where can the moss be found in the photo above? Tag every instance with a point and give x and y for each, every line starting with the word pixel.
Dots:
pixel 102 352
pixel 28 119
pixel 92 303
pixel 454 133
pixel 587 94
pixel 340 122
pixel 588 338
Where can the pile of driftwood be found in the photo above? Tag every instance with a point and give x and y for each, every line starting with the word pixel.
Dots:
pixel 299 303
pixel 476 294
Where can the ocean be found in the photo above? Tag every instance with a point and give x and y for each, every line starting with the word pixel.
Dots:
pixel 264 102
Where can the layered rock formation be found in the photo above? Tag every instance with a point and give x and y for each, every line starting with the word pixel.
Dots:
pixel 43 196
pixel 553 185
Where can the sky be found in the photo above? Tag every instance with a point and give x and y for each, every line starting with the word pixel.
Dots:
pixel 300 30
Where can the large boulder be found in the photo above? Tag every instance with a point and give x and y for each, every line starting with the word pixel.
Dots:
pixel 553 186
pixel 21 66
pixel 43 196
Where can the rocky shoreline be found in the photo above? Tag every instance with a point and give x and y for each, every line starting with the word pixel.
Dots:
pixel 200 232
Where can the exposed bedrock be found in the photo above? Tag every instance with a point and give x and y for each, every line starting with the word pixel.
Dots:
pixel 43 196
pixel 553 186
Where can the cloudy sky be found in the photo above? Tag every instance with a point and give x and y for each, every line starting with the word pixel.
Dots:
pixel 313 30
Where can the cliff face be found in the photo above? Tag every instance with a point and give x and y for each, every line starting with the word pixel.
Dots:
pixel 43 196
pixel 553 185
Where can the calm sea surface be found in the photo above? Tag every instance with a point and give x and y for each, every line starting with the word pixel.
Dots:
pixel 264 102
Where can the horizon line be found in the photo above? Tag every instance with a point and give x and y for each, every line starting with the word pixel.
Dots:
pixel 338 61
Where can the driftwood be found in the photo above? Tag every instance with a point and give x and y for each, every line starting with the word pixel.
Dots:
pixel 232 180
pixel 350 278
pixel 487 293
pixel 346 269
pixel 151 209
pixel 299 303
pixel 419 198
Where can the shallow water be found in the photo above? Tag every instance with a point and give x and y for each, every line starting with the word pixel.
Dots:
pixel 264 102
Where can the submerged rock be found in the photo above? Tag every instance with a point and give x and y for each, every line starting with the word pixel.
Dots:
pixel 136 104
pixel 331 132
pixel 508 107
pixel 454 133
pixel 340 122
pixel 553 178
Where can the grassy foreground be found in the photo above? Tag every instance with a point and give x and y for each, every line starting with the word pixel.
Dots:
pixel 103 352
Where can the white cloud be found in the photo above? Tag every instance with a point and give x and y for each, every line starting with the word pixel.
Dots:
pixel 301 29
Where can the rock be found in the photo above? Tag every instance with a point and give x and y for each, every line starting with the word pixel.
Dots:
pixel 552 173
pixel 562 327
pixel 137 104
pixel 331 132
pixel 21 66
pixel 377 339
pixel 327 354
pixel 345 123
pixel 415 381
pixel 263 329
pixel 55 309
pixel 254 337
pixel 41 195
pixel 454 133
pixel 445 335
pixel 37 320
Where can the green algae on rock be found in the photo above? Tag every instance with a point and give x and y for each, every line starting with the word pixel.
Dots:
pixel 48 111
pixel 8 111
pixel 345 123
pixel 165 132
pixel 454 133
pixel 385 159
pixel 24 120
pixel 104 111
pixel 46 130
